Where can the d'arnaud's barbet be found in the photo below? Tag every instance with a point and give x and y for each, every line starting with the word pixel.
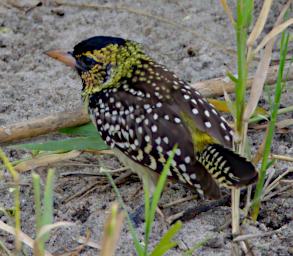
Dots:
pixel 141 110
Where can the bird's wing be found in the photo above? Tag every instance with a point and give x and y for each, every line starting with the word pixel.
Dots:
pixel 195 110
pixel 129 121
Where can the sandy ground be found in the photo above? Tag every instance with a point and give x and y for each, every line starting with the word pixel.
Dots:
pixel 33 85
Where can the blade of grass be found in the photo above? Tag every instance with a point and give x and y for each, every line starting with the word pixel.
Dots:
pixel 47 217
pixel 112 230
pixel 150 215
pixel 269 138
pixel 22 236
pixel 198 245
pixel 244 18
pixel 263 67
pixel 45 160
pixel 87 130
pixel 259 25
pixel 276 30
pixel 16 192
pixel 80 143
pixel 3 249
pixel 138 247
pixel 228 11
pixel 37 197
pixel 166 242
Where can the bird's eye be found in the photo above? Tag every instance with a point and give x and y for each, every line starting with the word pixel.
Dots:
pixel 88 62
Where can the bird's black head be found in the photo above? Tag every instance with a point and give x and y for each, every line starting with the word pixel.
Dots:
pixel 96 43
pixel 101 61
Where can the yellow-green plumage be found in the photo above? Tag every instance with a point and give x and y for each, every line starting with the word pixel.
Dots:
pixel 141 109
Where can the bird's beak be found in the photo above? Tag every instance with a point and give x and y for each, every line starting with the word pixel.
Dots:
pixel 64 57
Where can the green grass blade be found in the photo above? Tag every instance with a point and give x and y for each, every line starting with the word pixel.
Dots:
pixel 138 247
pixel 47 217
pixel 166 242
pixel 37 198
pixel 87 130
pixel 271 130
pixel 81 143
pixel 198 245
pixel 16 191
pixel 156 197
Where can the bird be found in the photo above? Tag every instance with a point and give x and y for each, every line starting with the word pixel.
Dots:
pixel 142 110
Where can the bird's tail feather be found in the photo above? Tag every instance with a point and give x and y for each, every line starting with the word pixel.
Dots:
pixel 226 167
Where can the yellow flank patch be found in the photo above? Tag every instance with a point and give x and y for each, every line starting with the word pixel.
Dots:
pixel 200 139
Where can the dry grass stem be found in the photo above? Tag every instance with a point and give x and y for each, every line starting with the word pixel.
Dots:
pixel 45 160
pixel 22 236
pixel 282 158
pixel 228 11
pixel 276 31
pixel 87 242
pixel 179 201
pixel 263 66
pixel 112 231
pixel 259 25
pixel 40 126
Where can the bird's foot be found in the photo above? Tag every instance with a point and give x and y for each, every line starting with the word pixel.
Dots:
pixel 137 216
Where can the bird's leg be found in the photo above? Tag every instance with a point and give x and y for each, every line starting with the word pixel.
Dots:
pixel 149 184
pixel 137 216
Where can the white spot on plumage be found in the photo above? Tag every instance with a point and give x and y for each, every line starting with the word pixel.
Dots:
pixel 182 167
pixel 187 159
pixel 193 176
pixel 131 133
pixel 194 101
pixel 139 129
pixel 147 138
pixel 138 120
pixel 223 119
pixel 214 111
pixel 187 178
pixel 166 117
pixel 146 106
pixel 131 109
pixel 208 124
pixel 159 104
pixel 207 113
pixel 158 140
pixel 223 126
pixel 154 128
pixel 166 140
pixel 195 111
pixel 155 116
pixel 187 97
pixel 227 138
pixel 177 120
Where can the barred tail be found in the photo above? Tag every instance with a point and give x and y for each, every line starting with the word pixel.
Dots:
pixel 226 167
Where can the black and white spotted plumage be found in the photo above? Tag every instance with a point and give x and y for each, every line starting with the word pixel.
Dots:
pixel 141 109
pixel 142 118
